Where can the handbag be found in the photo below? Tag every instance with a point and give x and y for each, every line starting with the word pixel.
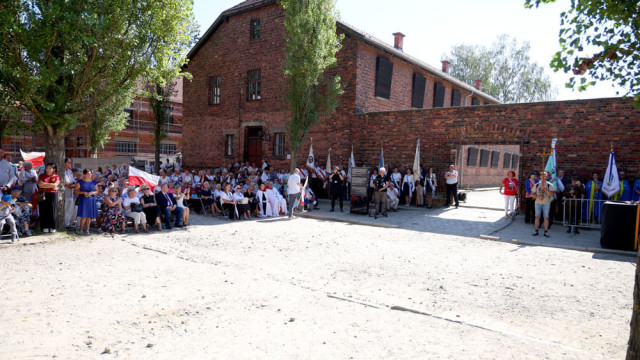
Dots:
pixel 40 197
pixel 136 208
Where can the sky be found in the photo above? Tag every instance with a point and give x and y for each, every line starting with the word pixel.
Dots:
pixel 433 27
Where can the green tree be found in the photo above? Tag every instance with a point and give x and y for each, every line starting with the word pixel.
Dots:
pixel 506 70
pixel 65 60
pixel 599 41
pixel 160 103
pixel 103 121
pixel 311 47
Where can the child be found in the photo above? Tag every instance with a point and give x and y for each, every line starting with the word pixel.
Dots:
pixel 6 208
pixel 22 213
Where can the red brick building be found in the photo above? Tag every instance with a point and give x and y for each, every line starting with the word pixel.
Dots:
pixel 134 140
pixel 234 109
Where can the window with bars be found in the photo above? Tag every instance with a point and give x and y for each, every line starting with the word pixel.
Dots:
pixel 278 145
pixel 484 157
pixel 228 146
pixel 384 75
pixel 126 147
pixel 255 29
pixel 167 149
pixel 254 91
pixel 515 158
pixel 16 146
pixel 214 90
pixel 475 101
pixel 417 97
pixel 472 156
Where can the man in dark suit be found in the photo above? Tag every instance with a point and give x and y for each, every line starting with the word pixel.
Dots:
pixel 558 207
pixel 167 204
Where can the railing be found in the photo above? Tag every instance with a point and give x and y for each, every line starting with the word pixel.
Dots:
pixel 584 213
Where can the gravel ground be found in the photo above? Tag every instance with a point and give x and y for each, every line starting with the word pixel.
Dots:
pixel 304 288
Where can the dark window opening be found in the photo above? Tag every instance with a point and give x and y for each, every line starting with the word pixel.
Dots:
pixel 456 97
pixel 419 84
pixel 80 141
pixel 384 75
pixel 475 101
pixel 514 161
pixel 254 91
pixel 278 145
pixel 495 159
pixel 438 95
pixel 472 156
pixel 255 29
pixel 214 90
pixel 506 163
pixel 484 157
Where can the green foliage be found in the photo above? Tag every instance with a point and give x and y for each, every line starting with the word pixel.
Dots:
pixel 506 71
pixel 160 103
pixel 599 40
pixel 311 47
pixel 66 60
pixel 106 119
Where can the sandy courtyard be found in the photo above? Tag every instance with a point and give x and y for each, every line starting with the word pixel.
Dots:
pixel 309 289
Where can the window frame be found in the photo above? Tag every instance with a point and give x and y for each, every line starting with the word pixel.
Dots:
pixel 484 163
pixel 382 78
pixel 255 31
pixel 130 145
pixel 439 92
pixel 472 154
pixel 229 146
pixel 254 85
pixel 495 159
pixel 163 148
pixel 213 94
pixel 418 90
pixel 456 95
pixel 277 146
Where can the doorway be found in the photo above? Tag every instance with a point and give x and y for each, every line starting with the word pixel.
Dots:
pixel 253 145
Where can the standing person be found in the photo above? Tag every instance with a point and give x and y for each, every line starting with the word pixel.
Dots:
pixel 28 179
pixel 86 191
pixel 591 208
pixel 408 186
pixel 572 206
pixel 396 177
pixel 543 193
pixel 48 183
pixel 509 189
pixel 431 184
pixel 69 198
pixel 336 180
pixel 636 191
pixel 625 189
pixel 381 183
pixel 451 180
pixel 529 211
pixel 421 186
pixel 557 207
pixel 293 190
pixel 7 174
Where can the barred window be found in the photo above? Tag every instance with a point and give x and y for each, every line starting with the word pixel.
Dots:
pixel 255 85
pixel 167 149
pixel 484 157
pixel 506 163
pixel 214 90
pixel 472 157
pixel 384 76
pixel 278 145
pixel 255 29
pixel 495 158
pixel 126 147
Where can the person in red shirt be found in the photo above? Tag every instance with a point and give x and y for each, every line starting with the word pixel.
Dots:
pixel 509 188
pixel 48 184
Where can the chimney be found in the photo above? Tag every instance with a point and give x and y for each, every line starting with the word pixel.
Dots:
pixel 445 66
pixel 398 40
pixel 479 84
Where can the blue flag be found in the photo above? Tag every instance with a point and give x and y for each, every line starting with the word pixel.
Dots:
pixel 381 162
pixel 551 169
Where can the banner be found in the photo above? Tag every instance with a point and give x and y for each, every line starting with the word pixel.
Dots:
pixel 381 162
pixel 36 158
pixel 611 182
pixel 139 177
pixel 311 161
pixel 327 167
pixel 352 164
pixel 416 163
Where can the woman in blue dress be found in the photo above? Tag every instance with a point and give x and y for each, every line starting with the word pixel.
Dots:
pixel 592 205
pixel 87 206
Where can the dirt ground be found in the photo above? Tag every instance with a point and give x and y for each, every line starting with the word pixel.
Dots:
pixel 309 289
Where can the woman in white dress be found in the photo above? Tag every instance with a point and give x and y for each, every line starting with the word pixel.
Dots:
pixel 408 185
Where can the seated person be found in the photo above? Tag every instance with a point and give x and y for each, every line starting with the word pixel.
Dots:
pixel 228 202
pixel 310 198
pixel 22 212
pixel 253 201
pixel 181 196
pixel 208 200
pixel 242 203
pixel 6 209
pixel 392 197
pixel 262 198
pixel 133 209
pixel 168 206
pixel 149 206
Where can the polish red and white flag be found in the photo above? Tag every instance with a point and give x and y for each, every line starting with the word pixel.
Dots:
pixel 139 177
pixel 35 158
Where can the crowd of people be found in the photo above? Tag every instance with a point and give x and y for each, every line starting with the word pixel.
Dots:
pixel 103 198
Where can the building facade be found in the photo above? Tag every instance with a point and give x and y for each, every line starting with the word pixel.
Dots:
pixel 235 108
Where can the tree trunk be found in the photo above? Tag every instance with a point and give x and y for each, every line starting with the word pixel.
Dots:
pixel 294 160
pixel 157 156
pixel 55 153
pixel 633 346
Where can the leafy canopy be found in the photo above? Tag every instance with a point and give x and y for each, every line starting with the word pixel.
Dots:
pixel 311 47
pixel 68 60
pixel 506 70
pixel 599 40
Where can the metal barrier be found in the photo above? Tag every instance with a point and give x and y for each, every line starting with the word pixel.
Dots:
pixel 584 213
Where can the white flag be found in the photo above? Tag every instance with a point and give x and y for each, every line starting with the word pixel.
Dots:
pixel 328 166
pixel 139 177
pixel 311 161
pixel 611 182
pixel 416 163
pixel 352 164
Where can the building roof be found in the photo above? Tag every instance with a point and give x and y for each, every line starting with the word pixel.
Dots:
pixel 349 30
